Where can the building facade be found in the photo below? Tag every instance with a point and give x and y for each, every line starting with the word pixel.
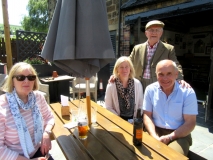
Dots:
pixel 186 28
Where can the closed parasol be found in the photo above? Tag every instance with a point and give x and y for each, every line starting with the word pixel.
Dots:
pixel 78 40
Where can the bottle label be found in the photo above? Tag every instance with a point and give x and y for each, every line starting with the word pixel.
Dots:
pixel 139 133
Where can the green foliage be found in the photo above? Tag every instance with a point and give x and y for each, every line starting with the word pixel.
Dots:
pixel 34 60
pixel 13 29
pixel 37 20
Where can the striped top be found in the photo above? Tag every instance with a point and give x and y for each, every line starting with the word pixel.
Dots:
pixel 10 146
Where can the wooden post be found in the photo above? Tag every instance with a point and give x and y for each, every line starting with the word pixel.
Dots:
pixel 7 34
pixel 210 92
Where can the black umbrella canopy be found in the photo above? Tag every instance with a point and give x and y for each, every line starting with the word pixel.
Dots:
pixel 78 39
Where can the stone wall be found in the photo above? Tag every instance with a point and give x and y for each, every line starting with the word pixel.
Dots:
pixel 112 11
pixel 113 19
pixel 125 41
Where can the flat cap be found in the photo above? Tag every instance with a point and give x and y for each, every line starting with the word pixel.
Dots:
pixel 154 22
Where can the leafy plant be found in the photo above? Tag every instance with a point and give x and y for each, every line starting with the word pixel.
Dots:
pixel 34 60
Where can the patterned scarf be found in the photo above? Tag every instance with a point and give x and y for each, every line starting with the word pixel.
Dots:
pixel 24 136
pixel 130 91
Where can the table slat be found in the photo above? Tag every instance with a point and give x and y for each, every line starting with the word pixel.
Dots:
pixel 92 145
pixel 66 141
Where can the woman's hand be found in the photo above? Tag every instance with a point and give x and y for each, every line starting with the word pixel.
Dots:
pixel 111 79
pixel 45 143
pixel 184 83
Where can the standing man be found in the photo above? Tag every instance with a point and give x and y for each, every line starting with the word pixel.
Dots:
pixel 169 109
pixel 145 56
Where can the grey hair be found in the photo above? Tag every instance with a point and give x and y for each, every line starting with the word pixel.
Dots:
pixel 175 66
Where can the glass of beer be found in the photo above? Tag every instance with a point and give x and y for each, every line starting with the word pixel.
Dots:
pixel 83 128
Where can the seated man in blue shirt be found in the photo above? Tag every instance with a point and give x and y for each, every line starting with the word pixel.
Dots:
pixel 169 109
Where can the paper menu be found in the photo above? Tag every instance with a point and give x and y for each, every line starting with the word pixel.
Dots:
pixel 64 100
pixel 71 125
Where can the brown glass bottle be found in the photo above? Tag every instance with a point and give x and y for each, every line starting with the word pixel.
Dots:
pixel 138 129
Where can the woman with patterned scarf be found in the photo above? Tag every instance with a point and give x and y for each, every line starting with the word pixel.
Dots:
pixel 125 96
pixel 25 117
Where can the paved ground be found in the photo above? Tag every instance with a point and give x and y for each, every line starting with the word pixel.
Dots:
pixel 56 152
pixel 203 135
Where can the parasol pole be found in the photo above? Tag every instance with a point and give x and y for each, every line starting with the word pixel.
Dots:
pixel 88 102
pixel 7 34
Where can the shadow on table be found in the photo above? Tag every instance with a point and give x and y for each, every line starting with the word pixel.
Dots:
pixel 70 148
pixel 103 143
pixel 137 149
pixel 66 117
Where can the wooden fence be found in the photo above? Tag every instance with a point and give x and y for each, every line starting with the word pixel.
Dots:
pixel 26 44
pixel 29 44
pixel 3 55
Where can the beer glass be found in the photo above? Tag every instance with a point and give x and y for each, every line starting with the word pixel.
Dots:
pixel 94 113
pixel 82 128
pixel 74 113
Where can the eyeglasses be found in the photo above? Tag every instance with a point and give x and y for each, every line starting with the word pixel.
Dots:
pixel 154 30
pixel 22 77
pixel 126 67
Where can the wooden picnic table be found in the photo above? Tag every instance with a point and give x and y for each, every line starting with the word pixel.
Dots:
pixel 110 138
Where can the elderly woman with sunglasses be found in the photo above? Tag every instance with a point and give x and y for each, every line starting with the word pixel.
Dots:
pixel 26 120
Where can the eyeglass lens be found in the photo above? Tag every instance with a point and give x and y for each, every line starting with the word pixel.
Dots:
pixel 22 77
pixel 154 30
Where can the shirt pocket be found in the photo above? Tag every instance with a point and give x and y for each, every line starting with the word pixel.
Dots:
pixel 176 111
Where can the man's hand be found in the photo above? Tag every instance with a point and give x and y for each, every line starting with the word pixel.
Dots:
pixel 155 136
pixel 111 79
pixel 184 83
pixel 165 139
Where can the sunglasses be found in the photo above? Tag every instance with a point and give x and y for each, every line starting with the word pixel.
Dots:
pixel 22 77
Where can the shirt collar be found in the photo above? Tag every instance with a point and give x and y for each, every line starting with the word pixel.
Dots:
pixel 155 45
